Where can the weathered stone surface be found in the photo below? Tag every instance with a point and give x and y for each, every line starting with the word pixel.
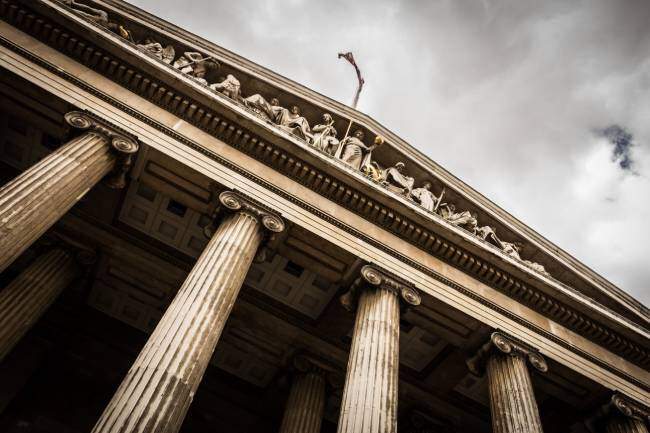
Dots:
pixel 512 398
pixel 370 394
pixel 36 199
pixel 29 295
pixel 626 416
pixel 304 409
pixel 159 387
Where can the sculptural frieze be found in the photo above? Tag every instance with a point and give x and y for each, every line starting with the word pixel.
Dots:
pixel 354 152
pixel 155 49
pixel 195 65
pixel 324 135
pixel 290 120
pixel 352 149
pixel 229 86
pixel 426 198
pixel 98 16
pixel 395 180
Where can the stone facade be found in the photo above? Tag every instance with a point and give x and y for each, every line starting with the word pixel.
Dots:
pixel 258 270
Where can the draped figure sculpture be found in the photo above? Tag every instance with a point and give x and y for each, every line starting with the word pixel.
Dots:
pixel 229 86
pixel 353 151
pixel 465 218
pixel 195 65
pixel 425 198
pixel 395 180
pixel 156 50
pixel 324 135
pixel 260 106
pixel 99 16
pixel 290 120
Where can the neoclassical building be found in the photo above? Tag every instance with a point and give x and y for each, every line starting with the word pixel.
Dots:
pixel 191 242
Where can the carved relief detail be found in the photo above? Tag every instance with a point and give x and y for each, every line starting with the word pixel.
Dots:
pixel 351 149
pixel 630 408
pixel 502 343
pixel 237 202
pixel 121 143
pixel 374 277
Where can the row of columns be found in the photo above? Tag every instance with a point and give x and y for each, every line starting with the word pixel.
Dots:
pixel 158 389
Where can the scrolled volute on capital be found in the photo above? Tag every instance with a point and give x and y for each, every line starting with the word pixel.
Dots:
pixel 499 342
pixel 374 277
pixel 630 408
pixel 235 201
pixel 122 143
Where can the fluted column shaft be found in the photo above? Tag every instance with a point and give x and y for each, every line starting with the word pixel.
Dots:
pixel 29 295
pixel 158 389
pixel 36 199
pixel 306 404
pixel 512 399
pixel 624 424
pixel 370 395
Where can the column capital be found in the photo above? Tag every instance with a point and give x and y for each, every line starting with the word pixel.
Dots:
pixel 235 201
pixel 373 277
pixel 630 408
pixel 500 342
pixel 304 362
pixel 123 144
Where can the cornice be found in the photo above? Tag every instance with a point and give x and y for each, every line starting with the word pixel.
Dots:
pixel 312 177
pixel 596 282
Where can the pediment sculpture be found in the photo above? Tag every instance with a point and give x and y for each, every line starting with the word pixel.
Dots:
pixel 352 150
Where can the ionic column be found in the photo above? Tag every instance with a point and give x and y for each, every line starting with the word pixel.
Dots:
pixel 306 404
pixel 29 295
pixel 369 403
pixel 158 389
pixel 626 416
pixel 36 199
pixel 512 398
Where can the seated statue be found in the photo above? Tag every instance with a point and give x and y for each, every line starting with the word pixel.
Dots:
pixel 537 267
pixel 465 218
pixel 512 249
pixel 195 65
pixel 155 49
pixel 354 152
pixel 260 106
pixel 290 121
pixel 396 181
pixel 229 86
pixel 324 135
pixel 425 198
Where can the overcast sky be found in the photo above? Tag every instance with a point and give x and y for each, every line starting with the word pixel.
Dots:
pixel 510 96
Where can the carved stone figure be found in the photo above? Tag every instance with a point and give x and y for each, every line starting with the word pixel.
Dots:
pixel 395 179
pixel 512 249
pixel 353 151
pixel 290 121
pixel 537 267
pixel 425 198
pixel 489 234
pixel 230 87
pixel 260 106
pixel 465 218
pixel 195 65
pixel 324 135
pixel 99 16
pixel 156 50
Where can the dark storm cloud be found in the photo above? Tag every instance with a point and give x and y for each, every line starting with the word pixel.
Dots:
pixel 622 143
pixel 505 94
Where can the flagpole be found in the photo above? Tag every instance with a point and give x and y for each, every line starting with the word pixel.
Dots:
pixel 350 58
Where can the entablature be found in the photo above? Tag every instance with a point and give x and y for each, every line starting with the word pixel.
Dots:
pixel 223 118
